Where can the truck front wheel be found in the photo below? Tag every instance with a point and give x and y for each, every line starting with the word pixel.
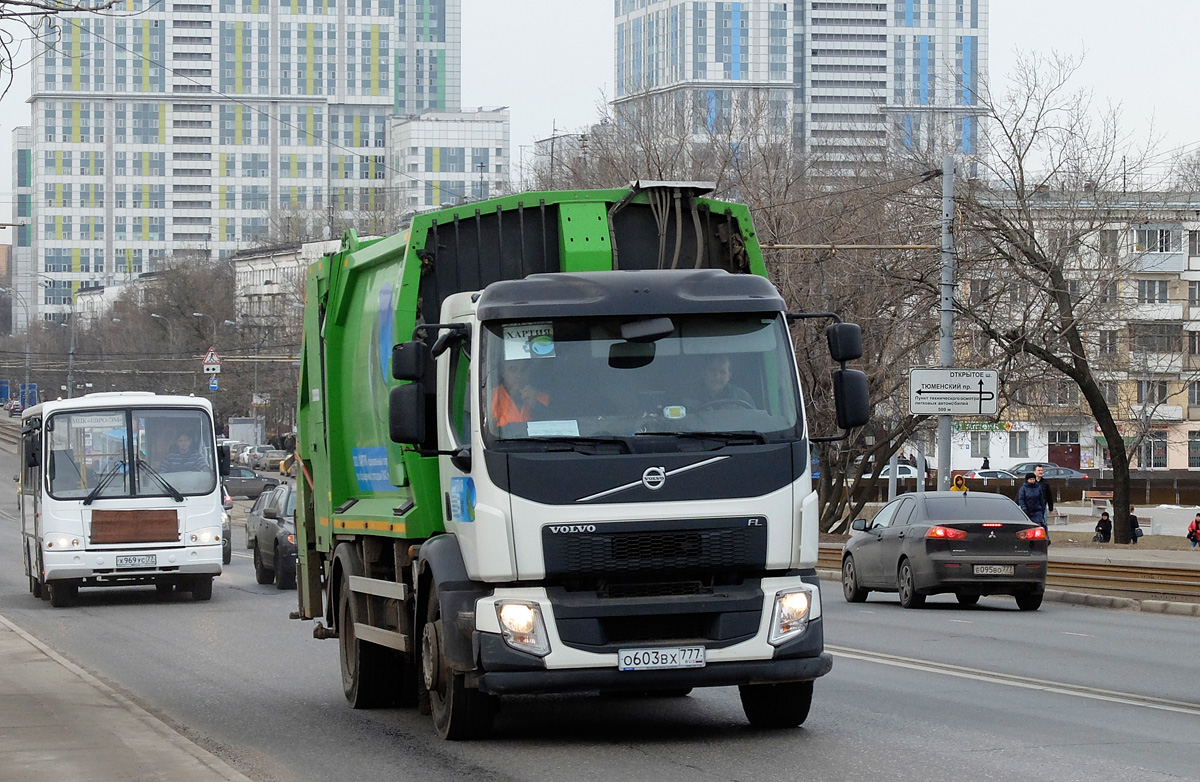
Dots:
pixel 776 705
pixel 459 713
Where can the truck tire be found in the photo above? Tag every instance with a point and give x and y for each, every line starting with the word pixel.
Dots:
pixel 262 574
pixel 62 595
pixel 368 680
pixel 202 588
pixel 776 705
pixel 285 573
pixel 459 713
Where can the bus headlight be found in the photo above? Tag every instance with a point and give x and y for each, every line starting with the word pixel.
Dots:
pixel 790 617
pixel 64 542
pixel 205 536
pixel 522 626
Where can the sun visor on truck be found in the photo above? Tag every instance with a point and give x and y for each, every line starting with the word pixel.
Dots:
pixel 589 294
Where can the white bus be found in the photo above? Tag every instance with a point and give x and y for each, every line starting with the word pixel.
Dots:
pixel 120 488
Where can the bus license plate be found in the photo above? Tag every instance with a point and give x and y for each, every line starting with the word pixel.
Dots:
pixel 993 570
pixel 668 657
pixel 137 560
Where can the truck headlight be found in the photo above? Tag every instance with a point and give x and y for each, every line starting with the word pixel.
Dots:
pixel 522 626
pixel 790 617
pixel 63 542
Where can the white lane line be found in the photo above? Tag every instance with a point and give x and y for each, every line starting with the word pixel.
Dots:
pixel 1079 635
pixel 963 621
pixel 1022 682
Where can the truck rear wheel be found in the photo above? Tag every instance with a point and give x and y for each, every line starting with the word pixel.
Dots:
pixel 459 713
pixel 776 705
pixel 367 679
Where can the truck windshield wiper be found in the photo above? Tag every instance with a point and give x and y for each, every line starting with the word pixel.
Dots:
pixel 740 437
pixel 571 442
pixel 104 479
pixel 165 483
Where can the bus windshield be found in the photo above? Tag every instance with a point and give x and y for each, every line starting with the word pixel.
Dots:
pixel 680 378
pixel 139 452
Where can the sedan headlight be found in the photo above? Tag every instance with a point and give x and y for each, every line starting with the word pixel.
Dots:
pixel 64 542
pixel 793 607
pixel 205 536
pixel 522 627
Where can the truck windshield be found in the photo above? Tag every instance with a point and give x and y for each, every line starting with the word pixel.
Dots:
pixel 575 378
pixel 129 453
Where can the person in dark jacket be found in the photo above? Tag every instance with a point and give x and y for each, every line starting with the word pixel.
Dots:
pixel 1044 485
pixel 1032 500
pixel 1134 527
pixel 1104 528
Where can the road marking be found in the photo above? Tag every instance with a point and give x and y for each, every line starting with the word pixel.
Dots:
pixel 1080 635
pixel 1023 682
pixel 963 621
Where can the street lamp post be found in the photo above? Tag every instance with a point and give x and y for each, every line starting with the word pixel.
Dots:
pixel 214 325
pixel 25 305
pixel 170 330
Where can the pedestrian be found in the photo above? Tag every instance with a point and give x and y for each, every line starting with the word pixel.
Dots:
pixel 1104 529
pixel 1032 500
pixel 1044 485
pixel 1193 533
pixel 959 484
pixel 1135 529
pixel 986 464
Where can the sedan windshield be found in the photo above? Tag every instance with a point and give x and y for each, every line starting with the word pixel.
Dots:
pixel 577 379
pixel 973 507
pixel 96 454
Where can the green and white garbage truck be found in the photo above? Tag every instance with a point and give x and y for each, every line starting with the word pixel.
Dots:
pixel 555 442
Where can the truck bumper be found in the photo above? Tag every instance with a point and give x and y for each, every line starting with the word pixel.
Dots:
pixel 611 679
pixel 99 567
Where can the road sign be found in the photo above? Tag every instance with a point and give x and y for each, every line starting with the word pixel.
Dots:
pixel 212 383
pixel 212 362
pixel 953 391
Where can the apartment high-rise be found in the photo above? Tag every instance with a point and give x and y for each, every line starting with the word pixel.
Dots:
pixel 845 79
pixel 181 126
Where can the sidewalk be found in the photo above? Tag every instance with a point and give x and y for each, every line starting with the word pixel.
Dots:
pixel 59 723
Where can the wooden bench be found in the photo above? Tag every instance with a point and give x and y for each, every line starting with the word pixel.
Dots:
pixel 1099 500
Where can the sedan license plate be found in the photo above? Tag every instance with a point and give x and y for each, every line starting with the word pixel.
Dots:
pixel 137 560
pixel 994 570
pixel 667 657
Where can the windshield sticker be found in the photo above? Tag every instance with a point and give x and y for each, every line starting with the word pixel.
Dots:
pixel 371 469
pixel 462 500
pixel 674 412
pixel 99 421
pixel 568 428
pixel 528 340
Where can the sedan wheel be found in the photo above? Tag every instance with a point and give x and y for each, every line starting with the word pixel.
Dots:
pixel 262 574
pixel 1029 601
pixel 850 588
pixel 906 585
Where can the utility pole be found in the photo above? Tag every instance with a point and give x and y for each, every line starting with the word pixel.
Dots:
pixel 946 344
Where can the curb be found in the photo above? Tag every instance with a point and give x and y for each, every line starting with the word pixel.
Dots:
pixel 1088 599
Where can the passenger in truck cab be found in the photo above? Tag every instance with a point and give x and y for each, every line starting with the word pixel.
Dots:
pixel 185 456
pixel 515 400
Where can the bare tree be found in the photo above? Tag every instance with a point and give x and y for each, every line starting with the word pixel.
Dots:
pixel 23 21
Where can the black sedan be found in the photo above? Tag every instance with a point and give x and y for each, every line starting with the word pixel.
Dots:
pixel 928 543
pixel 274 539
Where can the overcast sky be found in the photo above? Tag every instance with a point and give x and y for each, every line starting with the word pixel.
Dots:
pixel 551 62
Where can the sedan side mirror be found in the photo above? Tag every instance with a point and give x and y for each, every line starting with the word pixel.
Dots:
pixel 859 525
pixel 270 513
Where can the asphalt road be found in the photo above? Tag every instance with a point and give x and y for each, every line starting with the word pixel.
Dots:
pixel 946 693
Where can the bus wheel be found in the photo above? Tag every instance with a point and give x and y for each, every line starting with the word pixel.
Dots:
pixel 164 588
pixel 202 588
pixel 63 595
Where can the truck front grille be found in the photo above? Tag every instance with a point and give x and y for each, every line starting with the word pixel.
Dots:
pixel 662 547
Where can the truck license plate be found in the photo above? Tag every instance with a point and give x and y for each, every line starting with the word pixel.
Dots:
pixel 993 570
pixel 137 560
pixel 668 657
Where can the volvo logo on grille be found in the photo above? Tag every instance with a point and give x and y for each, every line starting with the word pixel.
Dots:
pixel 559 529
pixel 654 478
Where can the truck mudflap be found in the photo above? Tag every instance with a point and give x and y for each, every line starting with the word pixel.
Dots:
pixel 610 679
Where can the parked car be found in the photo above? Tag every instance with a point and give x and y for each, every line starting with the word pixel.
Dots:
pixel 927 543
pixel 991 474
pixel 240 456
pixel 270 460
pixel 902 471
pixel 244 482
pixel 226 526
pixel 1062 473
pixel 1024 467
pixel 254 456
pixel 275 539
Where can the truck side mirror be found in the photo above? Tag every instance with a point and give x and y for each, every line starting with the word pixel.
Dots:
pixel 851 398
pixel 410 360
pixel 223 460
pixel 845 341
pixel 406 414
